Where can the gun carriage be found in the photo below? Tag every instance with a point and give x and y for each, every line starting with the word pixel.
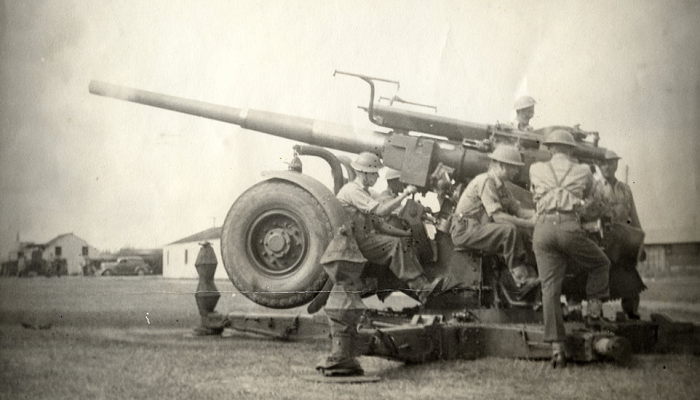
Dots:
pixel 276 232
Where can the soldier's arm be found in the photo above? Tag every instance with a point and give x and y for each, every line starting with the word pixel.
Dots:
pixel 525 213
pixel 501 217
pixel 634 217
pixel 592 189
pixel 385 208
pixel 491 201
pixel 386 228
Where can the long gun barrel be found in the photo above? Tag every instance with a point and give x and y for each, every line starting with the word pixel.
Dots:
pixel 319 133
pixel 397 149
pixel 463 150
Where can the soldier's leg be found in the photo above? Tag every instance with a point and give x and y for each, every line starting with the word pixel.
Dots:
pixel 343 309
pixel 343 314
pixel 491 238
pixel 552 269
pixel 585 255
pixel 402 262
pixel 630 306
pixel 391 250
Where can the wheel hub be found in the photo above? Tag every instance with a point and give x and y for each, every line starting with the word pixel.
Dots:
pixel 277 242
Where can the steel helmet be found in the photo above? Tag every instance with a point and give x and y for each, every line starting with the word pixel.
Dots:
pixel 367 162
pixel 560 136
pixel 524 102
pixel 507 154
pixel 611 155
pixel 392 174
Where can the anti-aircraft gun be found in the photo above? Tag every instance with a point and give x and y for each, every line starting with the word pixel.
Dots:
pixel 276 231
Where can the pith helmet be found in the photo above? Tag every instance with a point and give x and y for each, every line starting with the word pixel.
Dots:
pixel 560 136
pixel 507 154
pixel 611 155
pixel 392 174
pixel 367 162
pixel 524 102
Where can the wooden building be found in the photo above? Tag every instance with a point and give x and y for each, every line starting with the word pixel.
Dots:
pixel 179 256
pixel 71 248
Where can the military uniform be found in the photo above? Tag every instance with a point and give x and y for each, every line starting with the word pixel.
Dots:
pixel 523 103
pixel 343 263
pixel 392 219
pixel 618 196
pixel 519 125
pixel 558 241
pixel 378 248
pixel 473 226
pixel 625 281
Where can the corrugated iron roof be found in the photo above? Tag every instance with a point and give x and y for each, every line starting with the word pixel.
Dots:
pixel 209 234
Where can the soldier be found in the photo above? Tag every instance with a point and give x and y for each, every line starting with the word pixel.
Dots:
pixel 343 263
pixel 393 188
pixel 524 111
pixel 390 245
pixel 559 187
pixel 487 216
pixel 625 281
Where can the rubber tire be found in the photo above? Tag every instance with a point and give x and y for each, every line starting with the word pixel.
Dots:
pixel 108 272
pixel 297 286
pixel 140 272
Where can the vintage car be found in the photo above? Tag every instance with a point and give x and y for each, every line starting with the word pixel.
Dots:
pixel 131 265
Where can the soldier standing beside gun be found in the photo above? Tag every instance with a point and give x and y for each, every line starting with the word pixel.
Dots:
pixel 625 281
pixel 559 187
pixel 524 111
pixel 383 247
pixel 487 216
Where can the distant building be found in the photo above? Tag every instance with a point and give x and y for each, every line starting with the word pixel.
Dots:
pixel 70 248
pixel 179 256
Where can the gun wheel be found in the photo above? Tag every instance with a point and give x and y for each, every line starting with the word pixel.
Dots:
pixel 271 242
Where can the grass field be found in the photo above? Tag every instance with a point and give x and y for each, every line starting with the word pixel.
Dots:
pixel 123 338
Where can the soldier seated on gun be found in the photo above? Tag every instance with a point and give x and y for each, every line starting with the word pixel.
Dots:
pixel 393 188
pixel 487 216
pixel 379 242
pixel 524 111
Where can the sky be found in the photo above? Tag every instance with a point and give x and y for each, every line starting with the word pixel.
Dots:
pixel 120 174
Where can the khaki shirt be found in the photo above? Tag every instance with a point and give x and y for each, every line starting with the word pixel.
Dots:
pixel 386 195
pixel 575 186
pixel 618 196
pixel 355 199
pixel 517 124
pixel 484 196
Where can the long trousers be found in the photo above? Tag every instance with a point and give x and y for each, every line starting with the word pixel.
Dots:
pixel 491 238
pixel 560 243
pixel 395 251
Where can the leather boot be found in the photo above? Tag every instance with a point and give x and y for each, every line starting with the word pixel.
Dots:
pixel 558 355
pixel 594 315
pixel 341 361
